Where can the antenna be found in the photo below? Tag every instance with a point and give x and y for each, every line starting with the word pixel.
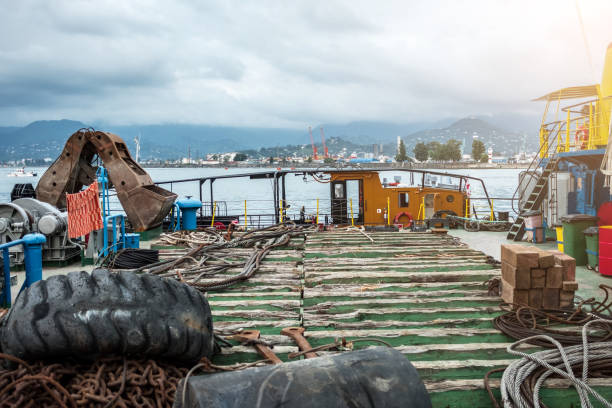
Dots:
pixel 137 141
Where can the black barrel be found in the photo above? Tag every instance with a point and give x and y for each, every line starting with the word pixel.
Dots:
pixel 22 191
pixel 376 377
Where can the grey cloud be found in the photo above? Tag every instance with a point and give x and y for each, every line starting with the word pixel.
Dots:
pixel 271 63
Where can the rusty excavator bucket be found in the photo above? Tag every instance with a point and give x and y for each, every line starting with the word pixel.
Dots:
pixel 145 204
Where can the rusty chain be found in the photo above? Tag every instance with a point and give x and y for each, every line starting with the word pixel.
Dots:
pixel 107 382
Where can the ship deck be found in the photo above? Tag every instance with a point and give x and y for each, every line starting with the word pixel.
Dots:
pixel 424 294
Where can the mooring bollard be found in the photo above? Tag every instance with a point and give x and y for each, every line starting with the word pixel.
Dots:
pixel 32 248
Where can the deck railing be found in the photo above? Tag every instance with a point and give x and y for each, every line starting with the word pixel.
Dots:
pixel 32 249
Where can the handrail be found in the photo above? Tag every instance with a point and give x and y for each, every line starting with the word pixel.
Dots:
pixel 115 244
pixel 538 159
pixel 277 175
pixel 32 250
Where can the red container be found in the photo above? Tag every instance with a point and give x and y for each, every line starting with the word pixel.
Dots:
pixel 605 233
pixel 605 265
pixel 605 250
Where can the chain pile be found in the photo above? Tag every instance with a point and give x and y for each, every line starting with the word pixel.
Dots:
pixel 527 321
pixel 107 382
pixel 201 262
pixel 523 379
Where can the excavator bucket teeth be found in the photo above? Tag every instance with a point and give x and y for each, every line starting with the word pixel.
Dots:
pixel 145 204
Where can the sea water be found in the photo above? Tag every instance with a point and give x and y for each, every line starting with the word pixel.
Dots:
pixel 230 194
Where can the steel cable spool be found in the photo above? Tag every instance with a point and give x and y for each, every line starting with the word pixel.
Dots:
pixel 134 258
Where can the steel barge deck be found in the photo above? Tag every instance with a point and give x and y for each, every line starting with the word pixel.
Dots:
pixel 423 293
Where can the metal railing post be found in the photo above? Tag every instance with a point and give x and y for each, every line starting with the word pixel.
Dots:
pixel 567 132
pixel 591 136
pixel 32 249
pixel 245 215
pixel 6 290
pixel 388 212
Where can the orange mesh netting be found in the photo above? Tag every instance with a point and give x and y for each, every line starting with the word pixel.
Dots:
pixel 84 213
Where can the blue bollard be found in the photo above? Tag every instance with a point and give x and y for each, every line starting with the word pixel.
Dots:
pixel 32 248
pixel 189 215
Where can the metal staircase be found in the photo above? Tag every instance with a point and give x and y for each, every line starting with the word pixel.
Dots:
pixel 539 191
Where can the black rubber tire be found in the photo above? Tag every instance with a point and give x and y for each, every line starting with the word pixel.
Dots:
pixel 124 313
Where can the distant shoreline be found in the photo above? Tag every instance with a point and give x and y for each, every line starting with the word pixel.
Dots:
pixel 390 166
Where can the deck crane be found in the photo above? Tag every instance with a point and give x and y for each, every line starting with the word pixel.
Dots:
pixel 314 148
pixel 325 151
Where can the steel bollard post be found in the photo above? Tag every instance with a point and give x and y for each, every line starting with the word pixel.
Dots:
pixel 32 248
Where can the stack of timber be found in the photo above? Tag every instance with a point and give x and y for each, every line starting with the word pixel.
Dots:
pixel 536 278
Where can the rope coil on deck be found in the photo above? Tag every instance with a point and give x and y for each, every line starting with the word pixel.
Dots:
pixel 527 321
pixel 523 379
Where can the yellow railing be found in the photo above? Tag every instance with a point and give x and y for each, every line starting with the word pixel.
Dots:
pixel 582 129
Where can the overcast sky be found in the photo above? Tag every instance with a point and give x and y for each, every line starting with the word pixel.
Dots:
pixel 291 63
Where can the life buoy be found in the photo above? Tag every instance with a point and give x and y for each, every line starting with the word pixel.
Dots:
pixel 397 217
pixel 582 137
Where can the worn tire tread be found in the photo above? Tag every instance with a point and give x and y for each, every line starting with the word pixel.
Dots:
pixel 81 314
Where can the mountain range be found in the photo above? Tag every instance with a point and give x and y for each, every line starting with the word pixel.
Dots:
pixel 45 139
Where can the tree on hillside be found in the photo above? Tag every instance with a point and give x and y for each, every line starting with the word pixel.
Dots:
pixel 421 153
pixel 401 152
pixel 449 151
pixel 452 150
pixel 434 151
pixel 478 149
pixel 240 157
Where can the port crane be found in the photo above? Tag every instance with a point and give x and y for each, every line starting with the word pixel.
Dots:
pixel 325 151
pixel 314 148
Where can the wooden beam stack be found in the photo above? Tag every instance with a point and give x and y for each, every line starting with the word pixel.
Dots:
pixel 537 278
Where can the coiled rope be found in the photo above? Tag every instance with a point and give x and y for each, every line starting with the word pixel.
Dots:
pixel 523 379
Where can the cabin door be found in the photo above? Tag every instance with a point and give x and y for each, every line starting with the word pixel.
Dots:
pixel 354 195
pixel 429 205
pixel 338 202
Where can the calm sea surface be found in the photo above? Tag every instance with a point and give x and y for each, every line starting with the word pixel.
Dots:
pixel 232 193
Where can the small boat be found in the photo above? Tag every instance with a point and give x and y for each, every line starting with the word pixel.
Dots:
pixel 22 173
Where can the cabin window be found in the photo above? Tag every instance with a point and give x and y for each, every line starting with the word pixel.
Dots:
pixel 339 191
pixel 403 199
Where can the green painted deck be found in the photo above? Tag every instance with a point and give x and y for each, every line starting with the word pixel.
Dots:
pixel 424 294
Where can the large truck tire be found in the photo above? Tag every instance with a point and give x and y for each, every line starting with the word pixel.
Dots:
pixel 82 315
